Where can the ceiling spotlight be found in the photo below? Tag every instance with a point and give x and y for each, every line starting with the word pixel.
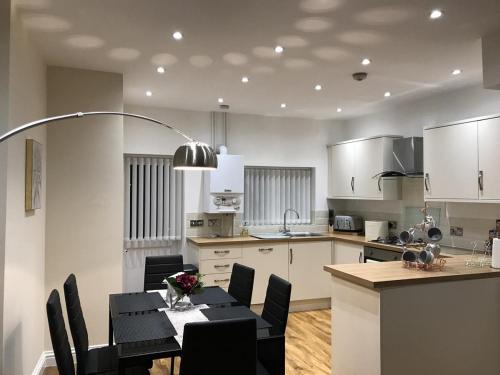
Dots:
pixel 456 72
pixel 435 14
pixel 244 79
pixel 339 110
pixel 160 70
pixel 177 35
pixel 366 61
pixel 283 105
pixel 220 100
pixel 278 49
pixel 387 94
pixel 149 93
pixel 318 87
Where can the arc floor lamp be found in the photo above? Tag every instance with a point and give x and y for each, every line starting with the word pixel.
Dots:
pixel 192 155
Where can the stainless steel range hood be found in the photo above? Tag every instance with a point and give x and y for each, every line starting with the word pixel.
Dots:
pixel 408 158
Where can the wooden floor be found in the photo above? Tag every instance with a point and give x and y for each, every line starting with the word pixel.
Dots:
pixel 307 346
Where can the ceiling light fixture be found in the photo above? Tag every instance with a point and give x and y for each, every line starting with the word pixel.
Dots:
pixel 456 72
pixel 149 93
pixel 318 87
pixel 387 94
pixel 435 14
pixel 220 100
pixel 177 35
pixel 244 79
pixel 366 61
pixel 160 70
pixel 278 49
pixel 339 110
pixel 283 105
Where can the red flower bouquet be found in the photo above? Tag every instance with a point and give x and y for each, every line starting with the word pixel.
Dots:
pixel 186 285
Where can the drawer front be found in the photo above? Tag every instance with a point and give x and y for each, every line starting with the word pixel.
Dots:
pixel 219 279
pixel 211 266
pixel 221 252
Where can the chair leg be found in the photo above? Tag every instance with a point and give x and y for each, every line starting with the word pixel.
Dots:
pixel 172 364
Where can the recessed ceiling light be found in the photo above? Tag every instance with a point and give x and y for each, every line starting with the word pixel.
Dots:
pixel 160 69
pixel 177 35
pixel 456 72
pixel 339 110
pixel 220 100
pixel 318 87
pixel 149 93
pixel 366 61
pixel 387 94
pixel 435 14
pixel 278 49
pixel 283 105
pixel 244 79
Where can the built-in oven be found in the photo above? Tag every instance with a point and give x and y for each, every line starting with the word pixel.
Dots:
pixel 375 255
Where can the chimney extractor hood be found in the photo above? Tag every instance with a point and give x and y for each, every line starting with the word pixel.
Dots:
pixel 408 158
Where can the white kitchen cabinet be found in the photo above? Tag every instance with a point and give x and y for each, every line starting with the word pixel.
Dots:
pixel 451 162
pixel 306 261
pixel 489 158
pixel 266 259
pixel 347 253
pixel 354 166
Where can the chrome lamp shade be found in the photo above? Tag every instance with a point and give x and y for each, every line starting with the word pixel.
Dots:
pixel 195 155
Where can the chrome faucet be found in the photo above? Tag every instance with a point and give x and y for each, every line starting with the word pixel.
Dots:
pixel 285 230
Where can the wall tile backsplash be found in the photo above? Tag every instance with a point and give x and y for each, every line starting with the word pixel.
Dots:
pixel 476 219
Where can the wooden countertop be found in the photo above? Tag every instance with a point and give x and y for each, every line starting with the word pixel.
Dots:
pixel 346 237
pixel 392 274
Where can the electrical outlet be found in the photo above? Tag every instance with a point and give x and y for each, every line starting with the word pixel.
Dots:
pixel 196 223
pixel 457 231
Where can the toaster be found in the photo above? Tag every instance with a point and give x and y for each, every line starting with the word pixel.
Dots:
pixel 348 223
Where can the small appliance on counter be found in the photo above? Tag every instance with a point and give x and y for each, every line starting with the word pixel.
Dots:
pixel 376 229
pixel 348 223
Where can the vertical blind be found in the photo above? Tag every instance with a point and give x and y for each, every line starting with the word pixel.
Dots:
pixel 269 191
pixel 153 201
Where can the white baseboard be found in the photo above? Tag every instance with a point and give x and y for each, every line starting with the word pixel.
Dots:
pixel 48 359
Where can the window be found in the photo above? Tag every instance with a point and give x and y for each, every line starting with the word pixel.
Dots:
pixel 153 201
pixel 269 191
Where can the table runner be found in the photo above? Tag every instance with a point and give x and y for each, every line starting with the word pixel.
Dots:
pixel 180 318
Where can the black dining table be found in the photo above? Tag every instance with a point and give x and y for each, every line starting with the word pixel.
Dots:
pixel 142 332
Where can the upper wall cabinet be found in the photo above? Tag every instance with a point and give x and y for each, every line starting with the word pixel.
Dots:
pixel 461 162
pixel 354 166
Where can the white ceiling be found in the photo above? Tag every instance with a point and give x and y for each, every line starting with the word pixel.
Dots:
pixel 224 40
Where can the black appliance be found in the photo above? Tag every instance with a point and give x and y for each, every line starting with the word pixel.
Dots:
pixel 375 255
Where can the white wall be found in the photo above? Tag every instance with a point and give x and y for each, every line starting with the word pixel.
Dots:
pixel 85 191
pixel 263 140
pixel 24 316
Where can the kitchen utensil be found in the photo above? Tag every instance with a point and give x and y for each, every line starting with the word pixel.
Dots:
pixel 435 234
pixel 406 236
pixel 348 223
pixel 426 257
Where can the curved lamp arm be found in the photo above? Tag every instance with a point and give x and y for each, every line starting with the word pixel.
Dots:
pixel 191 155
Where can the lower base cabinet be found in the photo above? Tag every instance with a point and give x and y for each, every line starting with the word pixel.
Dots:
pixel 305 269
pixel 347 253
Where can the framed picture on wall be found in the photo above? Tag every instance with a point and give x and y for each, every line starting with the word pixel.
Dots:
pixel 33 190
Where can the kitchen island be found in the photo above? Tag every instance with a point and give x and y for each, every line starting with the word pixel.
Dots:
pixel 389 320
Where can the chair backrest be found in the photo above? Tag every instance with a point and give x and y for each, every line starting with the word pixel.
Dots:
pixel 241 283
pixel 59 336
pixel 159 267
pixel 224 347
pixel 277 303
pixel 76 322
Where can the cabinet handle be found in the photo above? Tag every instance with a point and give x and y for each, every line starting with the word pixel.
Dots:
pixel 360 259
pixel 352 184
pixel 379 187
pixel 291 256
pixel 426 179
pixel 480 181
pixel 221 281
pixel 221 252
pixel 222 265
pixel 266 250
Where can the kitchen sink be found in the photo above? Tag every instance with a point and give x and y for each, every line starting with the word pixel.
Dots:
pixel 278 236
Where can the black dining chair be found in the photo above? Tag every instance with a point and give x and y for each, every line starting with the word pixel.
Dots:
pixel 241 284
pixel 271 351
pixel 88 361
pixel 204 342
pixel 161 266
pixel 60 343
